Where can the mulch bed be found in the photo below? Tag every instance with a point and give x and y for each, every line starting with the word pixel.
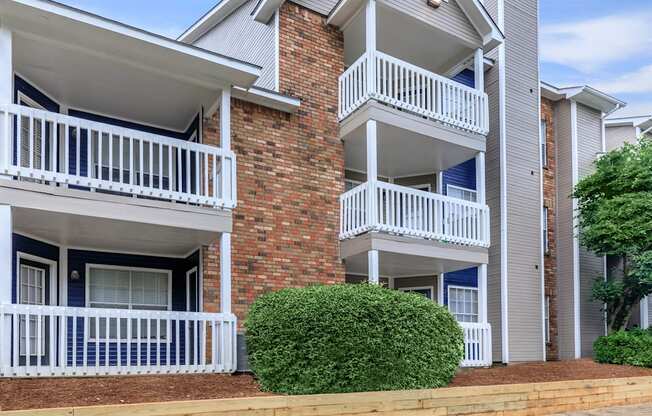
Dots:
pixel 62 392
pixel 545 372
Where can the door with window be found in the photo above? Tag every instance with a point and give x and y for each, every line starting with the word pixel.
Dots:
pixel 33 289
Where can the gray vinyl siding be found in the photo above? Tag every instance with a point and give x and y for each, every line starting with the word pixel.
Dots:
pixel 448 17
pixel 419 180
pixel 524 204
pixel 241 37
pixel 615 137
pixel 493 201
pixel 564 232
pixel 589 144
pixel 320 6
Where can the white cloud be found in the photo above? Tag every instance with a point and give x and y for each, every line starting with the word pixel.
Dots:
pixel 589 45
pixel 639 81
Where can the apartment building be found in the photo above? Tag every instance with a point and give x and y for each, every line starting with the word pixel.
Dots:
pixel 574 133
pixel 153 189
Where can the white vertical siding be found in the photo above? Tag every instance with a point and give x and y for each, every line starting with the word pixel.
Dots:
pixel 241 37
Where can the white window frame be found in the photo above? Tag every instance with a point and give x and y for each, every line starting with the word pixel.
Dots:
pixel 546 241
pixel 475 289
pixel 543 143
pixel 188 273
pixel 463 189
pixel 411 289
pixel 52 265
pixel 351 181
pixel 546 319
pixel 91 337
pixel 419 186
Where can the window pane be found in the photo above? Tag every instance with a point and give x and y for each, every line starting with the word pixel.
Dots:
pixel 109 286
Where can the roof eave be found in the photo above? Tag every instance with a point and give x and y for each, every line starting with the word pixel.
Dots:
pixel 265 10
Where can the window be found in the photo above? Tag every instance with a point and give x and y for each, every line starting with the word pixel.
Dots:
pixel 546 318
pixel 462 193
pixel 546 242
pixel 427 291
pixel 350 184
pixel 544 143
pixel 32 292
pixel 126 288
pixel 463 303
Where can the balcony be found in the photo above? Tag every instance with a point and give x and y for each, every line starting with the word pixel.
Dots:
pixel 409 212
pixel 67 341
pixel 407 87
pixel 52 148
pixel 477 345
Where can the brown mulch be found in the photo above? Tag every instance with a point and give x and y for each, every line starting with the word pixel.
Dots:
pixel 17 394
pixel 65 392
pixel 544 372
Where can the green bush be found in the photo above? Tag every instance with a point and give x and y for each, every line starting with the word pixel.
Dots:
pixel 632 347
pixel 348 338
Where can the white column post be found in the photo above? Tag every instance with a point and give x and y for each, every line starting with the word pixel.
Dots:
pixel 645 317
pixel 6 91
pixel 370 44
pixel 6 263
pixel 372 170
pixel 228 183
pixel 478 69
pixel 480 183
pixel 225 273
pixel 374 266
pixel 482 294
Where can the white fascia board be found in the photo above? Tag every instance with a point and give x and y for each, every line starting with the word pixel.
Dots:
pixel 265 10
pixel 209 20
pixel 483 23
pixel 247 70
pixel 268 99
pixel 343 12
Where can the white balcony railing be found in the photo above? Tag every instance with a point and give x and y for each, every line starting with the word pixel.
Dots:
pixel 477 345
pixel 400 84
pixel 406 211
pixel 49 147
pixel 65 341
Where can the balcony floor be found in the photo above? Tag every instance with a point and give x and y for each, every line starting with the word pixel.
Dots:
pixel 408 256
pixel 109 222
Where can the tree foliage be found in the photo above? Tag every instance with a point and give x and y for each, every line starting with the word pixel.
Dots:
pixel 615 219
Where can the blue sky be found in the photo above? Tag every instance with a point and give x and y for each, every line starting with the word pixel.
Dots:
pixel 604 44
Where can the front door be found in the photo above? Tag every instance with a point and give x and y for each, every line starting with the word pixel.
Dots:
pixel 33 289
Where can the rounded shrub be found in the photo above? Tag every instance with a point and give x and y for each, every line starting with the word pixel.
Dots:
pixel 349 338
pixel 632 347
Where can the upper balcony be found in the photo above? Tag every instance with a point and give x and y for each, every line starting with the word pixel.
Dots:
pixel 402 85
pixel 410 57
pixel 102 128
pixel 51 148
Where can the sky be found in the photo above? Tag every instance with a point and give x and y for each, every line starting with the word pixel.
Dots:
pixel 583 42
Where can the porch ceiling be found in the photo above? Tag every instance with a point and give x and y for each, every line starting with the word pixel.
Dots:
pixel 403 265
pixel 403 152
pixel 90 63
pixel 99 221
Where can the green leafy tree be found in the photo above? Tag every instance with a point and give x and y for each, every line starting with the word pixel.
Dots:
pixel 615 219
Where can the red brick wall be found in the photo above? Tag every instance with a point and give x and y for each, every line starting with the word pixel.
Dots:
pixel 290 173
pixel 550 201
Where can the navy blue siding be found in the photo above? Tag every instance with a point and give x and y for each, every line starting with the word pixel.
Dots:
pixel 35 248
pixel 34 93
pixel 466 77
pixel 77 260
pixel 464 278
pixel 461 175
pixel 181 135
